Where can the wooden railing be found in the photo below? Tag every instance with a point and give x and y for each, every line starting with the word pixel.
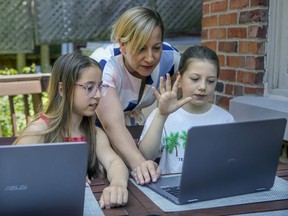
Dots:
pixel 23 84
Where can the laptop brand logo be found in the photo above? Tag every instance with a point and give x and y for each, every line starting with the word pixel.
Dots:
pixel 16 188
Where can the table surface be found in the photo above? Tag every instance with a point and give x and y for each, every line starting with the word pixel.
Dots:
pixel 139 204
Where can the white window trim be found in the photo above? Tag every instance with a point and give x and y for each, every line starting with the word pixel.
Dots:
pixel 273 44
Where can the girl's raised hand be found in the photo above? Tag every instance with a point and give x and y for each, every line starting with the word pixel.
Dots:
pixel 167 98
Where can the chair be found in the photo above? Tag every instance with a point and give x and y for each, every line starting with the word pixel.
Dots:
pixel 135 132
pixel 7 140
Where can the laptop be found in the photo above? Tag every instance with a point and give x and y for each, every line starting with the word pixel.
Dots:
pixel 225 160
pixel 43 179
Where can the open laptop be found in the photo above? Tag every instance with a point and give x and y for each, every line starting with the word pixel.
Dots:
pixel 43 179
pixel 225 160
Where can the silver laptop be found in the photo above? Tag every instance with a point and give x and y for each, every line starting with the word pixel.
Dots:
pixel 43 179
pixel 225 160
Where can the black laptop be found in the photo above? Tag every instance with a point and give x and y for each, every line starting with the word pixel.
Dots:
pixel 225 160
pixel 43 179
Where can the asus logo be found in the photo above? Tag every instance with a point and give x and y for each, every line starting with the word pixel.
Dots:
pixel 16 188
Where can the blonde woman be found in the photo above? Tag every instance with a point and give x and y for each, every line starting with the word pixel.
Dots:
pixel 75 89
pixel 131 65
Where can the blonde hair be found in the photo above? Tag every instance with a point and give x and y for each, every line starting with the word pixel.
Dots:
pixel 68 69
pixel 135 26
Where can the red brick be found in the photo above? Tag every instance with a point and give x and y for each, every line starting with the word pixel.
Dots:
pixel 259 77
pixel 246 77
pixel 239 90
pixel 254 90
pixel 255 63
pixel 221 60
pixel 230 46
pixel 229 89
pixel 228 19
pixel 238 4
pixel 232 89
pixel 255 3
pixel 205 9
pixel 217 33
pixel 211 44
pixel 261 47
pixel 223 101
pixel 258 15
pixel 227 75
pixel 256 31
pixel 209 21
pixel 252 47
pixel 235 61
pixel 237 33
pixel 248 47
pixel 219 6
pixel 204 34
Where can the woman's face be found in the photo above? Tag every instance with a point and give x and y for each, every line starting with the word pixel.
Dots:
pixel 199 82
pixel 143 63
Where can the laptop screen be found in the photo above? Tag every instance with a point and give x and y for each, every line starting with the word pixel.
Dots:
pixel 43 179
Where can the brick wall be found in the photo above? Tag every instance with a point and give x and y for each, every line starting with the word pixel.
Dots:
pixel 236 30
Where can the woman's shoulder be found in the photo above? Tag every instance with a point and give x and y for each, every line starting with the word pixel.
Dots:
pixel 105 52
pixel 168 47
pixel 170 56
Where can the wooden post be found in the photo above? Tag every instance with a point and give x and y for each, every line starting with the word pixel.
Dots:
pixel 45 58
pixel 13 116
pixel 21 61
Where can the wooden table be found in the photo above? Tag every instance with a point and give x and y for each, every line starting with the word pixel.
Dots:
pixel 139 204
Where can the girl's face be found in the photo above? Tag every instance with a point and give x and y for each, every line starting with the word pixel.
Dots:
pixel 199 82
pixel 143 63
pixel 83 104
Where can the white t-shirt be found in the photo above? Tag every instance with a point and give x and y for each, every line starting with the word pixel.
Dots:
pixel 127 86
pixel 175 132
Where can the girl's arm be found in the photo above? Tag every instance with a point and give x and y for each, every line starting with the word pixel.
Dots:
pixel 30 134
pixel 167 104
pixel 116 194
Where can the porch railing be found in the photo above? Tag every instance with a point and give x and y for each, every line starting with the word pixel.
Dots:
pixel 23 84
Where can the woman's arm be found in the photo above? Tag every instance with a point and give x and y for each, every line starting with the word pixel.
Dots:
pixel 116 194
pixel 111 115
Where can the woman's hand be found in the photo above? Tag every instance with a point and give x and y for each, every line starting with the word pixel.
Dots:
pixel 113 196
pixel 146 172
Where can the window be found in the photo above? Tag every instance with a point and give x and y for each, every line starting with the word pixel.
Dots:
pixel 277 50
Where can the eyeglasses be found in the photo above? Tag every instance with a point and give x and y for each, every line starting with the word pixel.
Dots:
pixel 91 89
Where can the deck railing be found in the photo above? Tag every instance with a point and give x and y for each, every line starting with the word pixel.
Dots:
pixel 23 84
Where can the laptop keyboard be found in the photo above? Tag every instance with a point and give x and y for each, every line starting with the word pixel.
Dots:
pixel 174 191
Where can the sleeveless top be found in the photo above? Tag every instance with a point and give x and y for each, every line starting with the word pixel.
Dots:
pixel 66 139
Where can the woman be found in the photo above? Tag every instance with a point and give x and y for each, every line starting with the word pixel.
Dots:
pixel 131 65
